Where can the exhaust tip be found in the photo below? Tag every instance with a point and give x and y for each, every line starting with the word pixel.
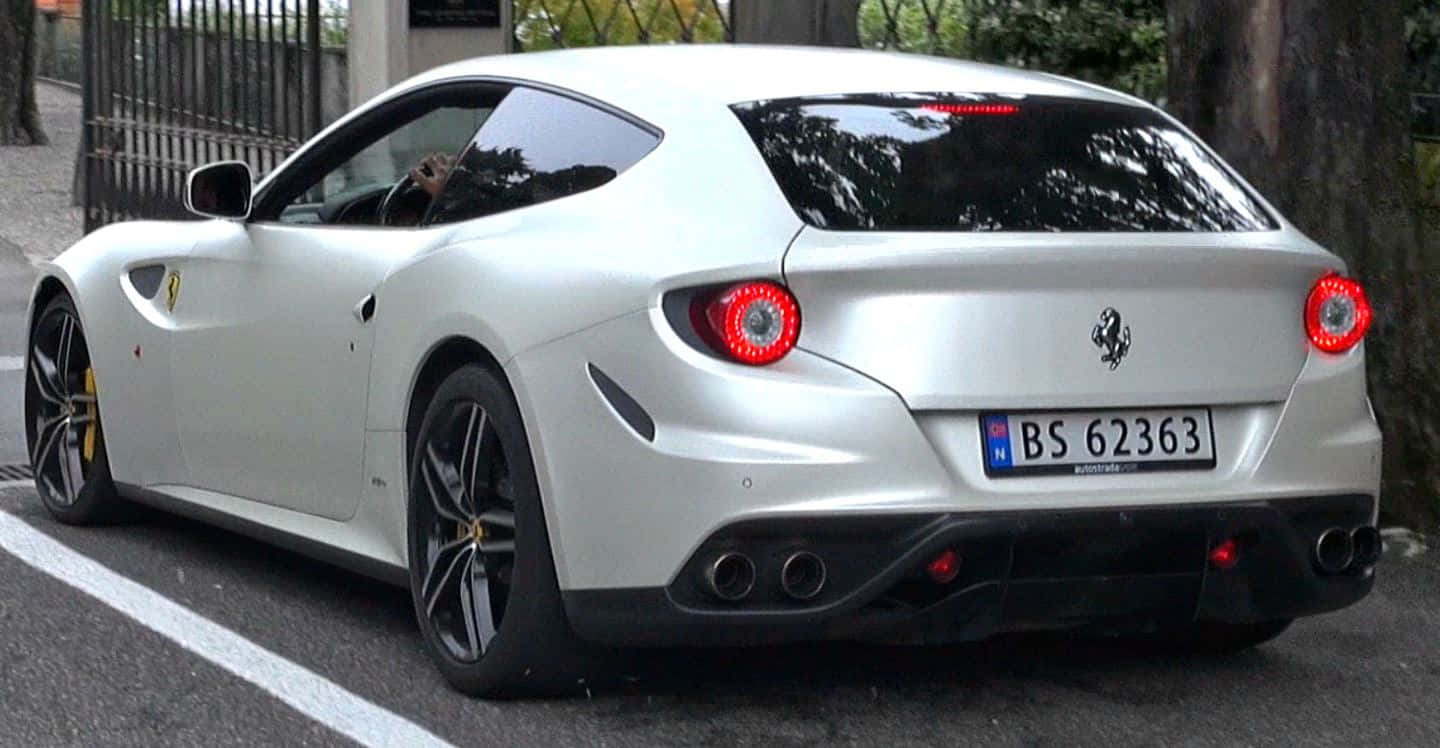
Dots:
pixel 731 576
pixel 1365 540
pixel 803 575
pixel 1334 551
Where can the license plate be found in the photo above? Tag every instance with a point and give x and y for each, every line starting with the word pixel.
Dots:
pixel 1099 442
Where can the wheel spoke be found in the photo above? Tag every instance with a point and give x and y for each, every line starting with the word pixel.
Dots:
pixel 470 454
pixel 498 546
pixel 46 377
pixel 443 485
pixel 72 473
pixel 67 339
pixel 498 517
pixel 433 585
pixel 47 436
pixel 475 603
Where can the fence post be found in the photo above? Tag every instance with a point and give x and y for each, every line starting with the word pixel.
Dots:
pixel 832 23
pixel 312 40
pixel 82 189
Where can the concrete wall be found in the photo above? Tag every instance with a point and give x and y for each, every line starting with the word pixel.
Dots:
pixel 386 50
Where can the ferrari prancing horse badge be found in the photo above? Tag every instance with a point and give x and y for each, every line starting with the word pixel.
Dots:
pixel 172 290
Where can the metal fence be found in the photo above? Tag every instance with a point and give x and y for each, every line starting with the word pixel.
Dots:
pixel 553 24
pixel 170 84
pixel 936 27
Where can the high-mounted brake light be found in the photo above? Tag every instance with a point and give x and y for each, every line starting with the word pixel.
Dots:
pixel 971 109
pixel 1337 314
pixel 756 322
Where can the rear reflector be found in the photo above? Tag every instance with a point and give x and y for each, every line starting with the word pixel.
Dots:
pixel 1337 314
pixel 1226 555
pixel 944 568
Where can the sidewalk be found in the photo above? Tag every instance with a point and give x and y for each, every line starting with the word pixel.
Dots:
pixel 35 211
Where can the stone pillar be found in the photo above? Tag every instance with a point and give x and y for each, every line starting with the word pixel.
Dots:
pixel 831 23
pixel 383 50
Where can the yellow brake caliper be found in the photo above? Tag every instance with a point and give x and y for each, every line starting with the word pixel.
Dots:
pixel 88 448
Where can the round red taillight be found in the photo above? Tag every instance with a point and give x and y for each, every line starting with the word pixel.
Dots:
pixel 755 323
pixel 1337 314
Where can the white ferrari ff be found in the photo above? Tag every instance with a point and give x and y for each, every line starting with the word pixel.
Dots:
pixel 732 345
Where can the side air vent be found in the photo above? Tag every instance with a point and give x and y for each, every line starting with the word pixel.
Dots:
pixel 620 400
pixel 146 279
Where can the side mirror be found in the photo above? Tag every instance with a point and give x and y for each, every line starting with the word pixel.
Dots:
pixel 219 190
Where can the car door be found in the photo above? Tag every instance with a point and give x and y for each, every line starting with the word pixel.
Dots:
pixel 272 317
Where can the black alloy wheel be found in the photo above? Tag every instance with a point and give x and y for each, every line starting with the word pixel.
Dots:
pixel 482 575
pixel 466 516
pixel 62 420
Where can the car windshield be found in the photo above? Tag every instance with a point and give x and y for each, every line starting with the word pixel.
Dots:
pixel 946 162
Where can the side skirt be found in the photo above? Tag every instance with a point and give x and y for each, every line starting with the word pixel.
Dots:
pixel 358 563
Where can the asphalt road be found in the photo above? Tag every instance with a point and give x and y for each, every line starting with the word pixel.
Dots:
pixel 74 671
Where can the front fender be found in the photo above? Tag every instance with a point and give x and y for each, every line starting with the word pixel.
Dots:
pixel 129 351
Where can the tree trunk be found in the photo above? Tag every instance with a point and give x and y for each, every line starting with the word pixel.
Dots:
pixel 19 118
pixel 1309 100
pixel 831 23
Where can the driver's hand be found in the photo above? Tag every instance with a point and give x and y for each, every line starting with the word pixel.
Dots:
pixel 438 166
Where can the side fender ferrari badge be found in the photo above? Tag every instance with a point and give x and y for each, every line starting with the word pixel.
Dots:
pixel 1111 337
pixel 172 290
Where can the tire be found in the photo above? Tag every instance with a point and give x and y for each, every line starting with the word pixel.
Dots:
pixel 459 568
pixel 1211 638
pixel 62 415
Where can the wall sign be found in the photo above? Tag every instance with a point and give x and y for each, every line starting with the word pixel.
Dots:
pixel 454 13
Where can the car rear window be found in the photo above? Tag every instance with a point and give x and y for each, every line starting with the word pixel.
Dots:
pixel 946 162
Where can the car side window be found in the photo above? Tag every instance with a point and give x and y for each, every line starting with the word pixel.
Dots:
pixel 538 147
pixel 346 175
pixel 351 192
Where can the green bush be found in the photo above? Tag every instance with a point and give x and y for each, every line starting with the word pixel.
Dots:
pixel 1115 43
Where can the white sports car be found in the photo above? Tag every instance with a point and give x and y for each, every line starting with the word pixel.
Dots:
pixel 733 345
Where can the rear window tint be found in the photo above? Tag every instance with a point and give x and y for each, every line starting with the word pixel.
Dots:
pixel 937 162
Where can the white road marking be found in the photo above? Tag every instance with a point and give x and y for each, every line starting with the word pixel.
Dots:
pixel 310 694
pixel 12 363
pixel 17 483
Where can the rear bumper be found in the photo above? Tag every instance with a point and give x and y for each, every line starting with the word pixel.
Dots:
pixel 1113 569
pixel 806 437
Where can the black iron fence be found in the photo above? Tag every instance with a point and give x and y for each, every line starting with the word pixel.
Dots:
pixel 552 24
pixel 170 84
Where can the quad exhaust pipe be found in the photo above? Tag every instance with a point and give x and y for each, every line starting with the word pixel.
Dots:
pixel 802 576
pixel 731 576
pixel 1367 544
pixel 1338 550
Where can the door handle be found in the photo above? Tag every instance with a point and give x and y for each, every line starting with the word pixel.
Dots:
pixel 365 309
